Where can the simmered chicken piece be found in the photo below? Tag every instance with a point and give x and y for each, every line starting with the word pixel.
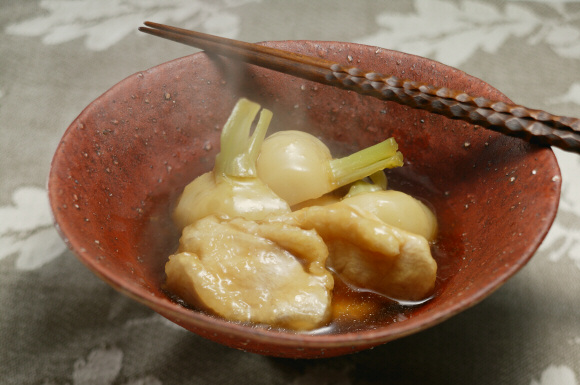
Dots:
pixel 270 273
pixel 369 253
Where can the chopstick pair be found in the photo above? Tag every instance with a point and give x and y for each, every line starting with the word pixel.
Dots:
pixel 514 120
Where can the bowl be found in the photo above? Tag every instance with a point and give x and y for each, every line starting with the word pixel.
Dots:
pixel 124 160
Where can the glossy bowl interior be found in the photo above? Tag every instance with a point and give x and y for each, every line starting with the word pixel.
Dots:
pixel 122 163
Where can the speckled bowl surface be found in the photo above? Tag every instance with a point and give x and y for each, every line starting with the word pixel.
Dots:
pixel 123 162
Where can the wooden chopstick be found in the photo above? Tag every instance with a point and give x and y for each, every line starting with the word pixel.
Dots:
pixel 295 64
pixel 514 120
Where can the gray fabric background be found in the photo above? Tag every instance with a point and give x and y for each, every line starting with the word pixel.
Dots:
pixel 59 324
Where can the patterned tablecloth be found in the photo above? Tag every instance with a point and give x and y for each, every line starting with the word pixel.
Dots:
pixel 60 324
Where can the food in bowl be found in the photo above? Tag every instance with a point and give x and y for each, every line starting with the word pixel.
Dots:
pixel 267 231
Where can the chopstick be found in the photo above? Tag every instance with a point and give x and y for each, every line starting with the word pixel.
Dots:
pixel 514 120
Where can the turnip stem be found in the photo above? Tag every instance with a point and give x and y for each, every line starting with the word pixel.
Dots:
pixel 239 150
pixel 258 136
pixel 365 162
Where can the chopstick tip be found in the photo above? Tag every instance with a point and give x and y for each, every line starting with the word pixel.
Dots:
pixel 151 24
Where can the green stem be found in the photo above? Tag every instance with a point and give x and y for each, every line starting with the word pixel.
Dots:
pixel 239 150
pixel 257 138
pixel 379 179
pixel 365 162
pixel 378 183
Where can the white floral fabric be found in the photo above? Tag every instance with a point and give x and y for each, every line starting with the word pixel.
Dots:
pixel 59 324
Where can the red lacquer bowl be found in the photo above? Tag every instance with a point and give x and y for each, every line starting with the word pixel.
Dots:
pixel 122 163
